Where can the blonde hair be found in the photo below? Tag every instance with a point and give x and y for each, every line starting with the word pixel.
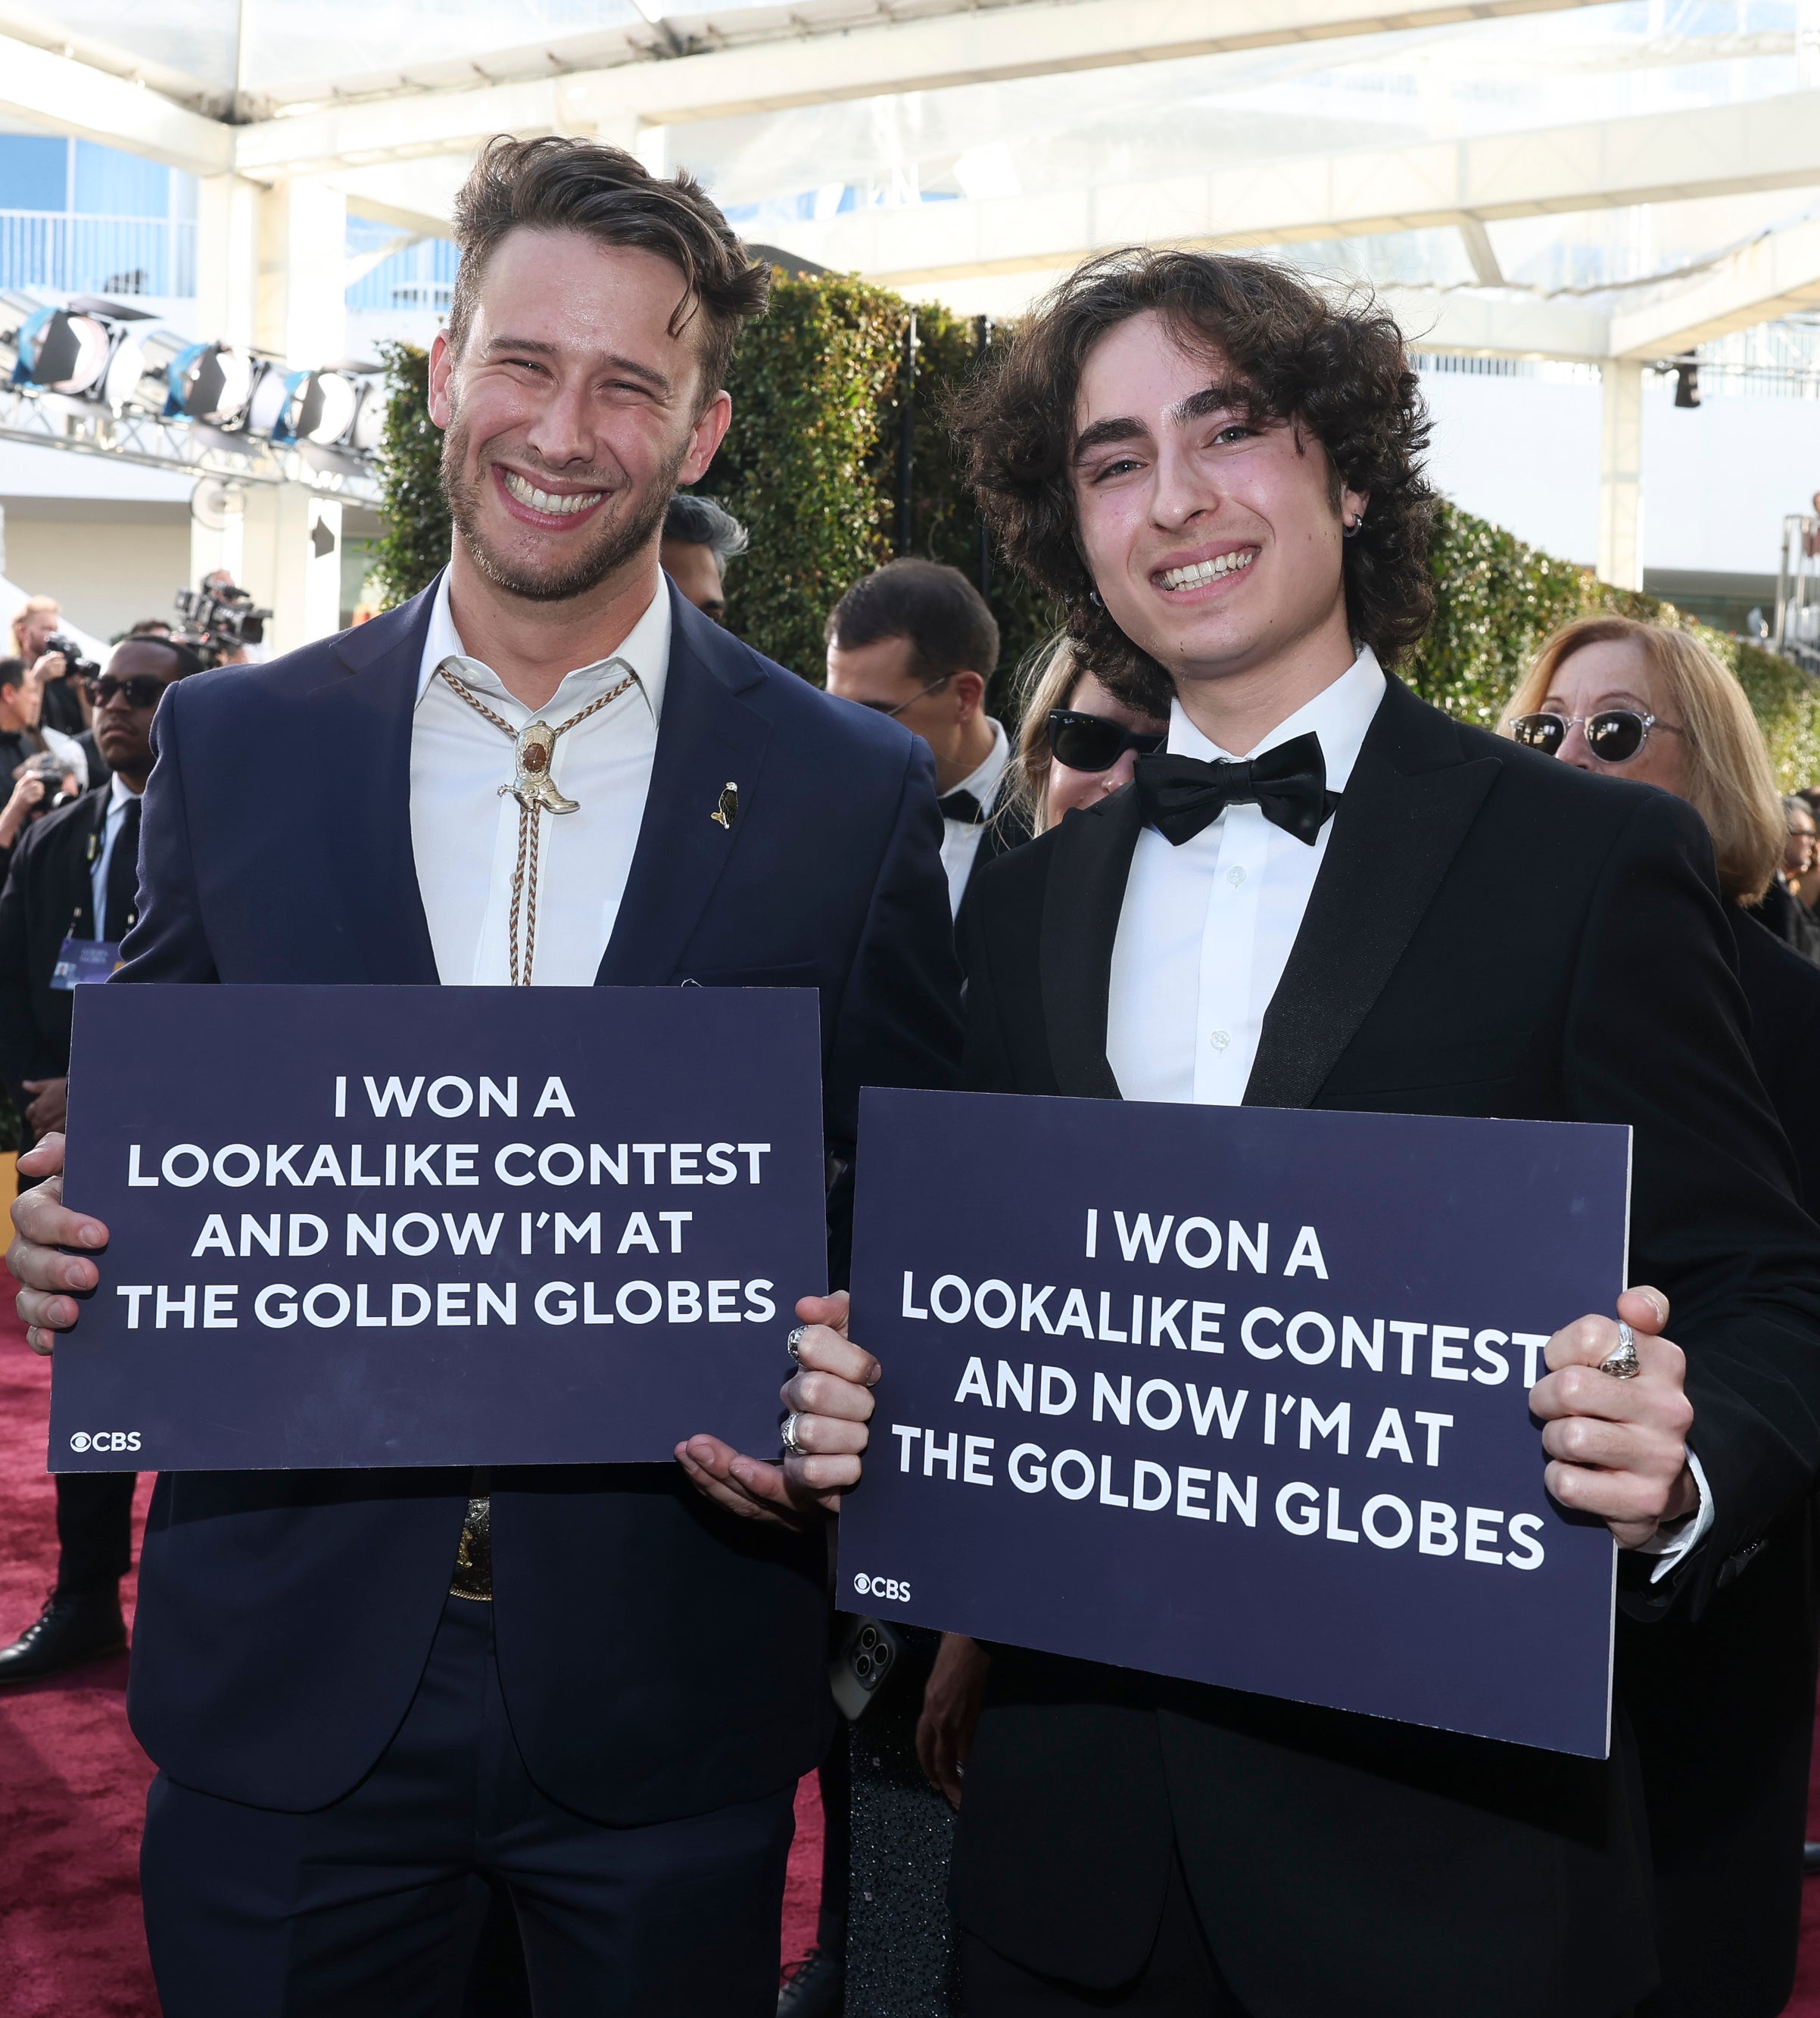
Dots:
pixel 1054 673
pixel 31 607
pixel 1729 782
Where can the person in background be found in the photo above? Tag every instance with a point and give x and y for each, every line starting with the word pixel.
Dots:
pixel 700 538
pixel 75 877
pixel 914 641
pixel 1780 908
pixel 1724 1710
pixel 1079 741
pixel 36 621
pixel 19 711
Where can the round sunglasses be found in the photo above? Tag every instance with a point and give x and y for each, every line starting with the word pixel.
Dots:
pixel 1090 742
pixel 1614 736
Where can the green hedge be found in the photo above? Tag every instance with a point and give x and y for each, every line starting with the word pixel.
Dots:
pixel 811 466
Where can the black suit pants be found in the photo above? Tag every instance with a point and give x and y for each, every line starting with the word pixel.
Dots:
pixel 94 1530
pixel 368 1908
pixel 1178 1980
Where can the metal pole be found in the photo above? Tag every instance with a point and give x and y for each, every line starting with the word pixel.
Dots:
pixel 982 344
pixel 906 424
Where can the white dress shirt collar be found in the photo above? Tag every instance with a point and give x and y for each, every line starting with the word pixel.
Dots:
pixel 1340 714
pixel 121 795
pixel 983 783
pixel 645 650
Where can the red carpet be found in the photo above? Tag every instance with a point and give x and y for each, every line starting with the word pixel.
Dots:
pixel 72 1782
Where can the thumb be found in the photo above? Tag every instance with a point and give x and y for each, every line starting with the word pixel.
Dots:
pixel 1644 1309
pixel 829 1311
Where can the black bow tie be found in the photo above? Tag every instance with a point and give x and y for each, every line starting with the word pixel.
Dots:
pixel 1181 795
pixel 964 807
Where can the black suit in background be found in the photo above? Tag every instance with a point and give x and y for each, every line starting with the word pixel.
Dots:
pixel 1491 934
pixel 1724 1710
pixel 47 897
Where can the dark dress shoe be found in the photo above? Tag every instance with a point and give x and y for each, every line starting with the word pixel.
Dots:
pixel 816 1987
pixel 85 1626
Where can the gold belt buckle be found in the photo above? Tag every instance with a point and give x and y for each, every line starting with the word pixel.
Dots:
pixel 473 1576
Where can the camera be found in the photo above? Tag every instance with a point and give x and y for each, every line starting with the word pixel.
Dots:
pixel 52 769
pixel 79 668
pixel 216 625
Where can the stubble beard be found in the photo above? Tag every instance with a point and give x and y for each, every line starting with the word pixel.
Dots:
pixel 620 540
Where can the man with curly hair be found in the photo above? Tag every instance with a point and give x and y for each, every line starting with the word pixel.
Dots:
pixel 1325 893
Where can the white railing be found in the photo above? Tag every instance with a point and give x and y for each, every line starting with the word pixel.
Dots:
pixel 66 253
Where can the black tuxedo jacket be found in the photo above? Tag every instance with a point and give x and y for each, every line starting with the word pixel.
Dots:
pixel 658 1657
pixel 1492 933
pixel 49 895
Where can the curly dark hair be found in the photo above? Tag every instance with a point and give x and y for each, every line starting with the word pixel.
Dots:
pixel 1340 370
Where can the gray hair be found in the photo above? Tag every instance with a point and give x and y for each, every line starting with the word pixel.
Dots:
pixel 698 522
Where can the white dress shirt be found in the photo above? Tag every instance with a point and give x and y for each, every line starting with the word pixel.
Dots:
pixel 961 838
pixel 120 796
pixel 1205 933
pixel 464 832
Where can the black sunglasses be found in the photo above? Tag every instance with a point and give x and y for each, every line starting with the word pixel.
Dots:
pixel 141 689
pixel 1090 742
pixel 1614 736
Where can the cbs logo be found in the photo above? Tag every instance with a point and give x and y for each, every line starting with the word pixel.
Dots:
pixel 889 1588
pixel 105 1440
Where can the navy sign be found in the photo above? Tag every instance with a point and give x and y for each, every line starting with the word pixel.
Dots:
pixel 427 1226
pixel 1238 1394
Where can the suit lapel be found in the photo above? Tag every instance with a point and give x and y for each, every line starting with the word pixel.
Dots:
pixel 1082 897
pixel 1404 813
pixel 708 739
pixel 361 718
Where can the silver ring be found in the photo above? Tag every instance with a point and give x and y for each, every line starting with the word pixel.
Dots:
pixel 793 1345
pixel 1621 1362
pixel 789 1434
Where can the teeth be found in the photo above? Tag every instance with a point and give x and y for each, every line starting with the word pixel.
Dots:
pixel 1201 571
pixel 527 492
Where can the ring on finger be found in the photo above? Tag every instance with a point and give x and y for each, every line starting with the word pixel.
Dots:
pixel 1621 1362
pixel 793 1345
pixel 789 1435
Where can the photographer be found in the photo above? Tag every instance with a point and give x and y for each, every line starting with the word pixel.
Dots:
pixel 68 902
pixel 19 710
pixel 63 675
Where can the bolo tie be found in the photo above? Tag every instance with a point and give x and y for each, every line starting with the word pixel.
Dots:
pixel 533 751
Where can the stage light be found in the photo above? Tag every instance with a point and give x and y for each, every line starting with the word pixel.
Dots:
pixel 325 403
pixel 212 382
pixel 63 352
pixel 270 403
pixel 1687 382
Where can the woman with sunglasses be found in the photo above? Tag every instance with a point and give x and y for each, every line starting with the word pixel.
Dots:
pixel 1078 743
pixel 1722 1710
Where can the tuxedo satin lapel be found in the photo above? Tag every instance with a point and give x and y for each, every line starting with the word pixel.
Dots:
pixel 361 720
pixel 1083 896
pixel 708 738
pixel 1404 813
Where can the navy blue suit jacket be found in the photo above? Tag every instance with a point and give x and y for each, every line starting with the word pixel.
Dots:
pixel 658 1657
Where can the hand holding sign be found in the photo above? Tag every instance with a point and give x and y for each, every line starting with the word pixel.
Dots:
pixel 1618 1448
pixel 50 1278
pixel 830 1401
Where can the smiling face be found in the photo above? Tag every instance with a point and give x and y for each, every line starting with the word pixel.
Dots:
pixel 571 413
pixel 1212 535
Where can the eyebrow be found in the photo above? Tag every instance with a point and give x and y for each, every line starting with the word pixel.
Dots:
pixel 1211 400
pixel 1123 428
pixel 535 347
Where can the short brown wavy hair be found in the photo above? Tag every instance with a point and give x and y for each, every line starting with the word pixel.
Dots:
pixel 1339 370
pixel 554 183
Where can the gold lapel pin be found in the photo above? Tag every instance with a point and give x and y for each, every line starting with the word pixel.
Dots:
pixel 728 810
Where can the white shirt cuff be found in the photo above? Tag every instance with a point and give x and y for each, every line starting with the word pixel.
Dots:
pixel 1674 1545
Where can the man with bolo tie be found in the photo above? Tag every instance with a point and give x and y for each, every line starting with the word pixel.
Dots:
pixel 1322 892
pixel 366 1690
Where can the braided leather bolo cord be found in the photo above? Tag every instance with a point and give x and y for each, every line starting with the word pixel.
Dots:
pixel 473 1572
pixel 524 875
